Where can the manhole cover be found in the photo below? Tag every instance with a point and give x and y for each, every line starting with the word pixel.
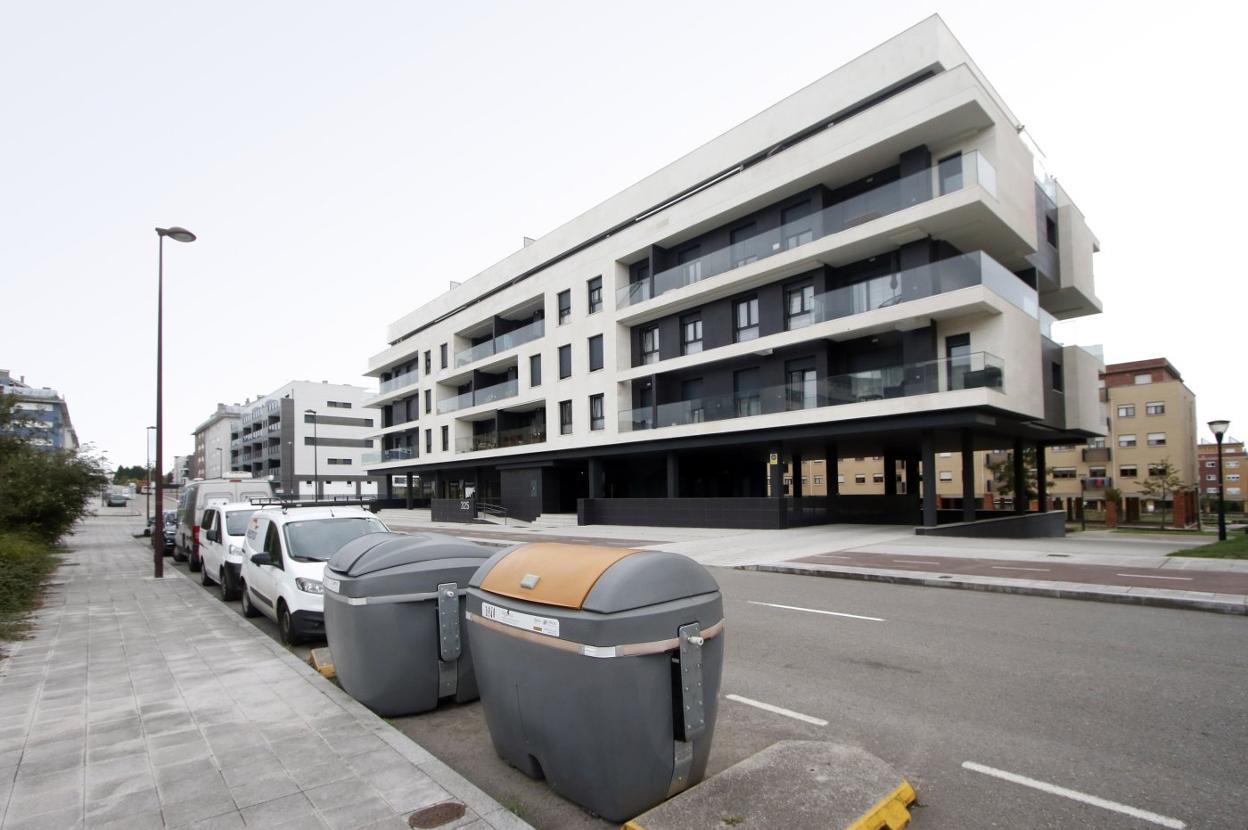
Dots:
pixel 437 814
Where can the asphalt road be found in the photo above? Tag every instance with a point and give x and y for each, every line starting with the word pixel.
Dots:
pixel 1143 707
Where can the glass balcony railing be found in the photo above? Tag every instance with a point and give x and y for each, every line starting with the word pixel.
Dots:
pixel 886 199
pixel 973 371
pixel 396 454
pixel 501 439
pixel 488 394
pixel 517 337
pixel 399 382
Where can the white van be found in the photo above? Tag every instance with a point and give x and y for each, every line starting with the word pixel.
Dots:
pixel 221 531
pixel 198 494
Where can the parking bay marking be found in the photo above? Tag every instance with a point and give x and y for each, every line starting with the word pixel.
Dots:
pixel 767 707
pixel 1150 576
pixel 817 611
pixel 1075 795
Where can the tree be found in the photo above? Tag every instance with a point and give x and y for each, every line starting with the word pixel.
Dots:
pixel 1003 474
pixel 1163 480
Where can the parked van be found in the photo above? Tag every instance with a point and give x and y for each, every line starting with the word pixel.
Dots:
pixel 197 495
pixel 221 531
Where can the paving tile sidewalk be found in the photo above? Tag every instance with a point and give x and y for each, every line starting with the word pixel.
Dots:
pixel 146 703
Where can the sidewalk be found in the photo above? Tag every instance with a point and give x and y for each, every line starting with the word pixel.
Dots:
pixel 143 703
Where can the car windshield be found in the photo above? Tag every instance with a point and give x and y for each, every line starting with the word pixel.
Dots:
pixel 171 517
pixel 319 539
pixel 236 522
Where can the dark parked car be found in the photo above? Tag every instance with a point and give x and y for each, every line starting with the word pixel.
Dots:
pixel 171 529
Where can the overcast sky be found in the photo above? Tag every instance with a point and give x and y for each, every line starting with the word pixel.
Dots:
pixel 342 162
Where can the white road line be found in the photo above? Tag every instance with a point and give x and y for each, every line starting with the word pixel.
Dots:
pixel 1010 568
pixel 833 556
pixel 1150 576
pixel 767 707
pixel 817 611
pixel 916 562
pixel 1075 795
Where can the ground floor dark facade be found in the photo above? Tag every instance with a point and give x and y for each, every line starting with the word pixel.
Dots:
pixel 737 480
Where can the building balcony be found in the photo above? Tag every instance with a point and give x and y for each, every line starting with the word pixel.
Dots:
pixel 477 397
pixel 396 454
pixel 501 439
pixel 1097 455
pixel 857 210
pixel 1098 482
pixel 393 385
pixel 500 344
pixel 976 371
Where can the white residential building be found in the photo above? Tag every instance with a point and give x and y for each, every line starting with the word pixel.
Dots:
pixel 868 267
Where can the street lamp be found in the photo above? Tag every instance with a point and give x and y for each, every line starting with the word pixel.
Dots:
pixel 1219 428
pixel 316 475
pixel 147 475
pixel 177 235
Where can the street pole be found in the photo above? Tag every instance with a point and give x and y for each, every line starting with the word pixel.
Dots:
pixel 180 235
pixel 316 455
pixel 1219 428
pixel 147 483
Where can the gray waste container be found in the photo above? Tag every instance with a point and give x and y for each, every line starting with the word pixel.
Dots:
pixel 393 618
pixel 599 669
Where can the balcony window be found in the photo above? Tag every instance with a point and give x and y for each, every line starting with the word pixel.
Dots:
pixel 949 170
pixel 1056 377
pixel 689 261
pixel 802 389
pixel 747 393
pixel 1096 443
pixel 565 306
pixel 958 350
pixel 743 245
pixel 1064 472
pixel 1128 471
pixel 691 334
pixel 1156 439
pixel 1097 472
pixel 745 317
pixel 1126 410
pixel 650 345
pixel 597 414
pixel 691 393
pixel 1155 408
pixel 565 361
pixel 595 295
pixel 799 304
pixel 595 353
pixel 797 225
pixel 1126 441
pixel 565 417
pixel 535 370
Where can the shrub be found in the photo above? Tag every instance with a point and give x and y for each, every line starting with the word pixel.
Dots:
pixel 25 563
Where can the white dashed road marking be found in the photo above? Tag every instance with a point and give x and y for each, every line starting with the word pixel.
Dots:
pixel 817 611
pixel 767 707
pixel 1011 568
pixel 1150 576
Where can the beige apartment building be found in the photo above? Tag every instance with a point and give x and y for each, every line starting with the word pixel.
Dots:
pixel 1151 421
pixel 1234 473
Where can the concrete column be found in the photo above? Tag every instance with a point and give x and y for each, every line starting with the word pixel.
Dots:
pixel 594 474
pixel 968 476
pixel 1042 484
pixel 890 474
pixel 928 454
pixel 409 491
pixel 775 472
pixel 830 468
pixel 673 475
pixel 912 476
pixel 797 473
pixel 1020 478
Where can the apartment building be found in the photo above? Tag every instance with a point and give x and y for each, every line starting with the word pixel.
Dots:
pixel 1234 474
pixel 868 268
pixel 213 438
pixel 310 438
pixel 43 413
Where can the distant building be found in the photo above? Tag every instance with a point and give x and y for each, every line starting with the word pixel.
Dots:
pixel 181 469
pixel 1234 468
pixel 211 458
pixel 43 411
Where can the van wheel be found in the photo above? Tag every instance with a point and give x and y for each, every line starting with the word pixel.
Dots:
pixel 285 628
pixel 179 553
pixel 228 593
pixel 249 610
pixel 194 562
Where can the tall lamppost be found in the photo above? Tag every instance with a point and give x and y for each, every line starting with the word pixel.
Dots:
pixel 147 475
pixel 1219 428
pixel 316 454
pixel 177 235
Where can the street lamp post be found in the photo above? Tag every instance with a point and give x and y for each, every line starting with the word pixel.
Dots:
pixel 147 475
pixel 178 235
pixel 1219 428
pixel 316 453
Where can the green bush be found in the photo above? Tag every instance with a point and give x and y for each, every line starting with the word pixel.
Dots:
pixel 25 563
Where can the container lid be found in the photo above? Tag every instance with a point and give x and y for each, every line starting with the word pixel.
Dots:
pixel 382 551
pixel 605 580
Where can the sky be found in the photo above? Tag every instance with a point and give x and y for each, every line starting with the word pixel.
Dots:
pixel 343 163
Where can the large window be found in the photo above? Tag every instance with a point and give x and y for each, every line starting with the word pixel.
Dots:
pixel 1156 439
pixel 949 169
pixel 747 392
pixel 565 361
pixel 799 306
pixel 797 224
pixel 958 350
pixel 1126 410
pixel 801 389
pixel 745 318
pixel 442 354
pixel 1128 471
pixel 743 252
pixel 691 393
pixel 650 344
pixel 535 370
pixel 595 353
pixel 595 295
pixel 1126 441
pixel 597 414
pixel 1155 408
pixel 565 306
pixel 691 334
pixel 690 262
pixel 565 417
pixel 1064 472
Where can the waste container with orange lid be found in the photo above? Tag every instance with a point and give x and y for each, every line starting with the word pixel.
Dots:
pixel 599 669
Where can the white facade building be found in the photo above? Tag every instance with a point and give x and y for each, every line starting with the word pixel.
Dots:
pixel 212 442
pixel 868 267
